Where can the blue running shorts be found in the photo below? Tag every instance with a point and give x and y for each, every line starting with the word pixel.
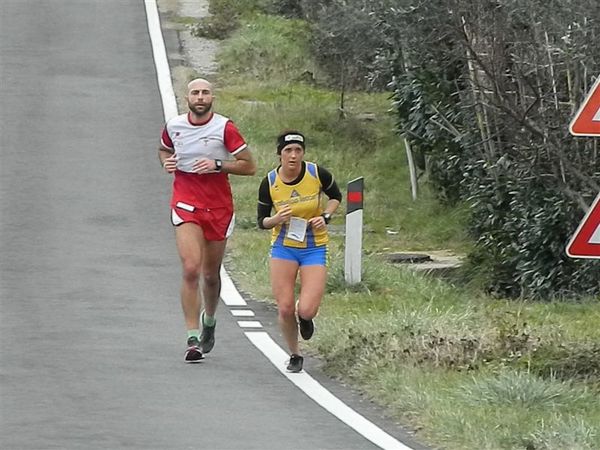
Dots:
pixel 312 256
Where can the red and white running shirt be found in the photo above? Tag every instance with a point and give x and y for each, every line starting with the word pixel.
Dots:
pixel 217 138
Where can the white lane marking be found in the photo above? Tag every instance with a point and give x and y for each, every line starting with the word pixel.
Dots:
pixel 163 72
pixel 249 324
pixel 230 295
pixel 242 312
pixel 322 396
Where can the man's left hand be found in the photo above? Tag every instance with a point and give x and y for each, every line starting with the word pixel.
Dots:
pixel 204 165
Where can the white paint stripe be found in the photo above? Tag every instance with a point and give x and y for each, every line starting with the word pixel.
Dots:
pixel 249 324
pixel 322 396
pixel 163 72
pixel 230 295
pixel 596 117
pixel 242 312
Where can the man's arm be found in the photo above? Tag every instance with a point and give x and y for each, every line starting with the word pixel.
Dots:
pixel 243 164
pixel 167 159
pixel 166 152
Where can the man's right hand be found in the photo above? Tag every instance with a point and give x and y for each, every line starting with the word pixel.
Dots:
pixel 170 163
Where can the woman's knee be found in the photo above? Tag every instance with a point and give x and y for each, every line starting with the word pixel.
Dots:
pixel 287 310
pixel 308 310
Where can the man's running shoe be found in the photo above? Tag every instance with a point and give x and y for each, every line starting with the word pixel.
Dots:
pixel 295 364
pixel 193 354
pixel 207 338
pixel 307 328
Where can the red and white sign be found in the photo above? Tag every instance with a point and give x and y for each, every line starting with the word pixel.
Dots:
pixel 587 120
pixel 585 243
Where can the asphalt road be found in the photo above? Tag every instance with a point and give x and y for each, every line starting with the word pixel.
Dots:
pixel 91 333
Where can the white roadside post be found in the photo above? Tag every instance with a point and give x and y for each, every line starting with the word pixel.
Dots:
pixel 354 229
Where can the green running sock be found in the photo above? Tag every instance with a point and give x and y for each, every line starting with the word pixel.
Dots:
pixel 207 320
pixel 193 333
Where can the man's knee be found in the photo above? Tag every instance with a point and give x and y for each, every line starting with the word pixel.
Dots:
pixel 191 271
pixel 212 279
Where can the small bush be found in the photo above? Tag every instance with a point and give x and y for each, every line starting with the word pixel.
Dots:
pixel 225 17
pixel 568 360
pixel 268 48
pixel 215 27
pixel 518 388
pixel 566 433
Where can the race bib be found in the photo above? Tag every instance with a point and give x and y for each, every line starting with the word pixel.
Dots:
pixel 297 229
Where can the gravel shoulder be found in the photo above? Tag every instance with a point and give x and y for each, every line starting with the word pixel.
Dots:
pixel 189 56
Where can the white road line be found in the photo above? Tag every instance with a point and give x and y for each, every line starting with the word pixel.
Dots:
pixel 249 324
pixel 231 296
pixel 163 73
pixel 242 312
pixel 322 396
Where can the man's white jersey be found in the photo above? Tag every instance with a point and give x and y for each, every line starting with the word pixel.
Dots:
pixel 192 141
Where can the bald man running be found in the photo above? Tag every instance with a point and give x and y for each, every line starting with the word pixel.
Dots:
pixel 201 148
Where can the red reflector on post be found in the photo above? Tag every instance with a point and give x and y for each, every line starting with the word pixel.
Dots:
pixel 354 197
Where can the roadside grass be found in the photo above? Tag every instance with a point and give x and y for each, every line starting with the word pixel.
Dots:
pixel 371 151
pixel 463 370
pixel 485 410
pixel 247 55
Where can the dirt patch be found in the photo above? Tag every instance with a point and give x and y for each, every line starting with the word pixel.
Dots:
pixel 197 56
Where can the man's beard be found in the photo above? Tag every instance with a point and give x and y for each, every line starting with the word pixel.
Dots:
pixel 200 109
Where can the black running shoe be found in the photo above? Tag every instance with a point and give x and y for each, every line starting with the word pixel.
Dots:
pixel 207 338
pixel 307 328
pixel 295 364
pixel 193 354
